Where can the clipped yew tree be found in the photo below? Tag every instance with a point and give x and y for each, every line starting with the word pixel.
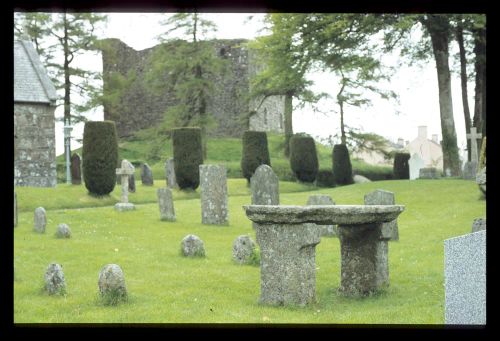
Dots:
pixel 342 168
pixel 99 156
pixel 303 158
pixel 188 156
pixel 255 152
pixel 401 168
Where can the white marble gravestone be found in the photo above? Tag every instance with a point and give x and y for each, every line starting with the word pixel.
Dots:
pixel 415 163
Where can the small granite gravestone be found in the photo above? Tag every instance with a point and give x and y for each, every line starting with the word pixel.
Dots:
pixel 465 279
pixel 264 185
pixel 428 173
pixel 213 195
pixel 146 175
pixel 63 231
pixel 192 246
pixel 40 220
pixel 54 279
pixel 470 170
pixel 76 169
pixel 170 174
pixel 112 284
pixel 126 170
pixel 166 203
pixel 243 250
pixel 321 199
pixel 15 209
pixel 479 224
pixel 415 163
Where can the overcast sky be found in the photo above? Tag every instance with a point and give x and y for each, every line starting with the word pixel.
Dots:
pixel 417 87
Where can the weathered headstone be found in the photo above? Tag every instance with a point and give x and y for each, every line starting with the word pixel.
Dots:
pixel 166 203
pixel 112 284
pixel 54 279
pixel 321 199
pixel 192 246
pixel 243 250
pixel 415 163
pixel 213 194
pixel 170 174
pixel 264 185
pixel 146 175
pixel 63 231
pixel 389 231
pixel 479 224
pixel 428 173
pixel 76 169
pixel 40 220
pixel 125 171
pixel 15 209
pixel 360 179
pixel 470 170
pixel 465 279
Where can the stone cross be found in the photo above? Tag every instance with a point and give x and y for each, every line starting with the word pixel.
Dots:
pixel 473 136
pixel 124 171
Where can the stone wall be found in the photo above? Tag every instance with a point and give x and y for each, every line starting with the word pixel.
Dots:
pixel 141 108
pixel 34 147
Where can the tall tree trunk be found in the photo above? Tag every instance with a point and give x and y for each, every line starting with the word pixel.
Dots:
pixel 480 88
pixel 343 138
pixel 463 78
pixel 438 27
pixel 288 122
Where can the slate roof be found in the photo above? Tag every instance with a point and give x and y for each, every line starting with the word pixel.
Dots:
pixel 31 83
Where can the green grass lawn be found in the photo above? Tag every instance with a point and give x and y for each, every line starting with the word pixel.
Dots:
pixel 167 288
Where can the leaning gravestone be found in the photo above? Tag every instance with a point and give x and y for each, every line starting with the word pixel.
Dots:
pixel 40 220
pixel 465 279
pixel 63 231
pixel 112 284
pixel 76 169
pixel 15 209
pixel 146 175
pixel 321 199
pixel 415 164
pixel 166 203
pixel 213 194
pixel 479 224
pixel 170 174
pixel 243 250
pixel 125 171
pixel 192 246
pixel 428 173
pixel 54 279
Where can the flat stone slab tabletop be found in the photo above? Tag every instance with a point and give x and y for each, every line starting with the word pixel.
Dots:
pixel 323 214
pixel 288 243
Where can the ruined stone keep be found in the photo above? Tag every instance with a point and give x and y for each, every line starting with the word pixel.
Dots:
pixel 34 120
pixel 140 108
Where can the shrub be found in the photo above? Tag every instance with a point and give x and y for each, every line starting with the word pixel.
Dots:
pixel 99 157
pixel 482 157
pixel 303 158
pixel 401 167
pixel 325 178
pixel 342 168
pixel 255 152
pixel 188 156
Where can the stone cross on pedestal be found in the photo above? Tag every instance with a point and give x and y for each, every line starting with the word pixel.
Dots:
pixel 473 136
pixel 124 171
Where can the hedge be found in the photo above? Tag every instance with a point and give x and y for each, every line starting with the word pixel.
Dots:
pixel 188 156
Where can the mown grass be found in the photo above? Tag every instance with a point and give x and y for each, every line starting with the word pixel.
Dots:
pixel 164 287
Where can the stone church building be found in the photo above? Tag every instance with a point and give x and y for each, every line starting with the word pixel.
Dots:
pixel 139 107
pixel 34 120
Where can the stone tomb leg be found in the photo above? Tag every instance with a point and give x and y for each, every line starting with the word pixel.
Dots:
pixel 288 270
